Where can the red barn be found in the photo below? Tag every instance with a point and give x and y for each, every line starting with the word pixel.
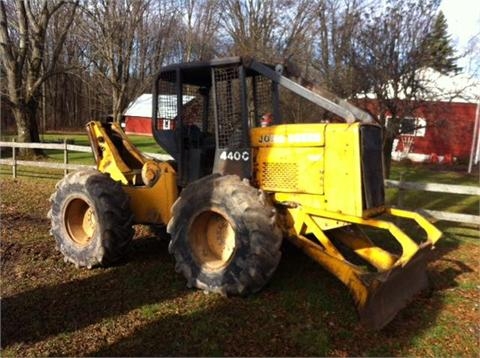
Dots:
pixel 139 112
pixel 442 128
pixel 138 116
pixel 448 132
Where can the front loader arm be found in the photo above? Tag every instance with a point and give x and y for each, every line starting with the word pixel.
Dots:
pixel 150 184
pixel 114 153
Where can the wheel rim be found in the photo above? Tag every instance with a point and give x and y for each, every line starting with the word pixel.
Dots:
pixel 212 240
pixel 80 221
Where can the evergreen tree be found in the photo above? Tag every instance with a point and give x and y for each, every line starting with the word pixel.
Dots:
pixel 437 47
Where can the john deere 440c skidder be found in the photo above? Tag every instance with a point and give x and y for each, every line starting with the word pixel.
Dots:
pixel 235 188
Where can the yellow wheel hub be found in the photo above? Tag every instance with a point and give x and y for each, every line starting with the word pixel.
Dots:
pixel 212 240
pixel 80 221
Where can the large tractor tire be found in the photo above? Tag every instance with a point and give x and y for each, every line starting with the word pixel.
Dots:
pixel 91 220
pixel 224 236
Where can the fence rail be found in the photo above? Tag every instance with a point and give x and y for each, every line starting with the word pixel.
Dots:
pixel 65 147
pixel 401 185
pixel 442 188
pixel 58 146
pixel 439 188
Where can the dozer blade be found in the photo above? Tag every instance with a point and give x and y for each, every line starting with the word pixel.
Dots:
pixel 392 290
pixel 391 281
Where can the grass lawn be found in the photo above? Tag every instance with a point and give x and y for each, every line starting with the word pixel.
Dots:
pixel 144 143
pixel 141 307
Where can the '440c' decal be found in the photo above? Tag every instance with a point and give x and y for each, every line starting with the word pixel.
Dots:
pixel 238 156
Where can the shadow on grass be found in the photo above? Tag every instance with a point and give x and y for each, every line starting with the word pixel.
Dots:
pixel 36 314
pixel 304 311
pixel 288 317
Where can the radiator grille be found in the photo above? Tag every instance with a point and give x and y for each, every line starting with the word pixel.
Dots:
pixel 372 170
pixel 280 176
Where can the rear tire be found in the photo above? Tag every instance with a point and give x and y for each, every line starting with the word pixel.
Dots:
pixel 224 236
pixel 91 220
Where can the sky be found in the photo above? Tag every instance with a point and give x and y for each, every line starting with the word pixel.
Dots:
pixel 463 19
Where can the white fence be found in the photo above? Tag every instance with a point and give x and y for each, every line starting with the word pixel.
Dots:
pixel 66 148
pixel 401 185
pixel 440 188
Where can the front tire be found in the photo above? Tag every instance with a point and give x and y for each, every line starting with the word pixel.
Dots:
pixel 224 236
pixel 91 220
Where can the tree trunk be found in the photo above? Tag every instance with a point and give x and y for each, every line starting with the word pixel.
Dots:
pixel 27 128
pixel 117 104
pixel 387 155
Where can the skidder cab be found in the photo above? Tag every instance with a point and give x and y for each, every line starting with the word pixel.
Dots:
pixel 257 158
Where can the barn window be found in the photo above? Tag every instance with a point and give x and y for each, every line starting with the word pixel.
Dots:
pixel 413 126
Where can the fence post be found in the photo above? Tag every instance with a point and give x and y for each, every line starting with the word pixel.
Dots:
pixel 65 157
pixel 14 159
pixel 401 193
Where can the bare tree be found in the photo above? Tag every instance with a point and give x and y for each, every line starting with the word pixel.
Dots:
pixel 390 55
pixel 268 30
pixel 26 64
pixel 67 100
pixel 154 43
pixel 111 29
pixel 250 26
pixel 337 25
pixel 197 38
pixel 127 42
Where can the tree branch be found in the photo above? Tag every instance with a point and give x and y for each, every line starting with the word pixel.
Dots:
pixel 63 36
pixel 6 48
